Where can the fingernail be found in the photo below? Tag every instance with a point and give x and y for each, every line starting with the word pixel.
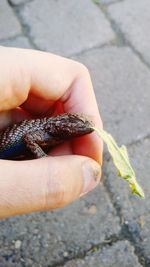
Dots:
pixel 91 176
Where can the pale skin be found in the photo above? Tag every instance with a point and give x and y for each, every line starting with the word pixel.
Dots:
pixel 41 83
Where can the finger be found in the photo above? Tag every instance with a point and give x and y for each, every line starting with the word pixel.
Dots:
pixel 45 184
pixel 5 119
pixel 81 98
pixel 41 74
pixel 12 116
pixel 31 73
pixel 38 106
pixel 63 149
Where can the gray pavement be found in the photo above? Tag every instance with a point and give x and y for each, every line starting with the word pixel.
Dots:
pixel 109 227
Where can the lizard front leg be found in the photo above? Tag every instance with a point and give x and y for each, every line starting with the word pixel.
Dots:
pixel 33 141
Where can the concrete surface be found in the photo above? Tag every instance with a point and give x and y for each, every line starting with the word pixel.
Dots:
pixel 57 20
pixel 108 227
pixel 129 16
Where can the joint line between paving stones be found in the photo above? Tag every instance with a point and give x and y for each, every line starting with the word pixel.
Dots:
pixel 139 55
pixel 25 28
pixel 84 51
pixel 138 251
pixel 125 233
pixel 106 4
pixel 139 140
pixel 20 4
pixel 12 38
pixel 121 40
pixel 81 255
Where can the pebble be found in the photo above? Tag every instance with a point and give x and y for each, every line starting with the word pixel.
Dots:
pixel 18 244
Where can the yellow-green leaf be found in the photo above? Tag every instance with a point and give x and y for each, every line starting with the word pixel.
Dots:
pixel 121 161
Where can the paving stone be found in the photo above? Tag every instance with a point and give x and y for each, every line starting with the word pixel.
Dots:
pixel 134 20
pixel 48 238
pixel 122 87
pixel 9 24
pixel 66 27
pixel 120 254
pixel 19 41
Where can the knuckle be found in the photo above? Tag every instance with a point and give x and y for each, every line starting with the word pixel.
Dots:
pixel 83 70
pixel 79 67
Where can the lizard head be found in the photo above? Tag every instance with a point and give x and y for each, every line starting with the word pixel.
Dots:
pixel 70 125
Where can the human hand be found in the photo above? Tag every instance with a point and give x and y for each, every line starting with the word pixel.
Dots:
pixel 34 83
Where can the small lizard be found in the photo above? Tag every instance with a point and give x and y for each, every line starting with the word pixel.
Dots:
pixel 30 137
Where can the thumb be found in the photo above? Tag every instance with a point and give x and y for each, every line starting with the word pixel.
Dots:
pixel 45 184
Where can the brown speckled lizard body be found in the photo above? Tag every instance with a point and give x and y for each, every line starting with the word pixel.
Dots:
pixel 32 136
